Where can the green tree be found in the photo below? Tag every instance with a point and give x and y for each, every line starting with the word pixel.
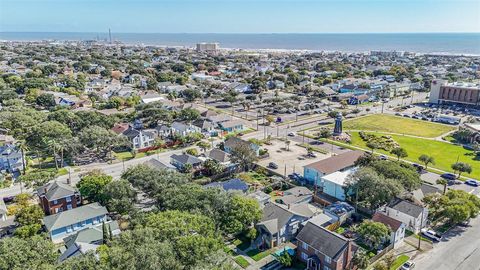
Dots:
pixel 29 215
pixel 213 167
pixel 462 167
pixel 92 186
pixel 399 152
pixel 361 259
pixel 243 155
pixel 46 100
pixel 242 213
pixel 120 196
pixel 425 159
pixel 30 253
pixel 369 189
pixel 285 259
pixel 373 233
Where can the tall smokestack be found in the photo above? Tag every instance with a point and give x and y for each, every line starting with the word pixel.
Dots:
pixel 110 35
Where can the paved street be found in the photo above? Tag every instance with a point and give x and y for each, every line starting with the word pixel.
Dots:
pixel 115 170
pixel 459 250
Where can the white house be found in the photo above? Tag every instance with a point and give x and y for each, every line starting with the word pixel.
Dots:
pixel 396 226
pixel 414 216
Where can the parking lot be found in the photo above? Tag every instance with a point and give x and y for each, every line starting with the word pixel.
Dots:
pixel 290 161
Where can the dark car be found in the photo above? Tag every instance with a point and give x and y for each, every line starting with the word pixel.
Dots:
pixel 272 165
pixel 472 183
pixel 448 176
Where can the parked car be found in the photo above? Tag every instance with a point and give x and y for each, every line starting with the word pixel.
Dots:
pixel 448 176
pixel 312 155
pixel 272 165
pixel 454 182
pixel 408 265
pixel 383 157
pixel 295 176
pixel 431 234
pixel 292 134
pixel 472 183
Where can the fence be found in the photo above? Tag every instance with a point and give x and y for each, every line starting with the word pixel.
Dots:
pixel 383 252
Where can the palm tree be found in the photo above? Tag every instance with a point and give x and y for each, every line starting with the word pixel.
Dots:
pixel 360 259
pixel 443 182
pixel 427 160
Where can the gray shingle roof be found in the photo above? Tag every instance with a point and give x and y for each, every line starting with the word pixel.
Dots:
pixel 186 159
pixel 56 190
pixel 157 164
pixel 406 207
pixel 74 216
pixel 276 216
pixel 219 155
pixel 323 240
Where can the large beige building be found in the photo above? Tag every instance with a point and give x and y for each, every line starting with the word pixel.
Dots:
pixel 208 47
pixel 442 92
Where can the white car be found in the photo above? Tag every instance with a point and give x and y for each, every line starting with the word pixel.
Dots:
pixel 431 234
pixel 408 265
pixel 292 134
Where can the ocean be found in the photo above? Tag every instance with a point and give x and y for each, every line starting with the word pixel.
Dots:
pixel 443 43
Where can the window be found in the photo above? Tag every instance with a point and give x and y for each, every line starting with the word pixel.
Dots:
pixel 84 223
pixel 328 259
pixel 304 256
pixel 55 201
pixel 304 245
pixel 69 207
pixel 69 229
pixel 95 221
pixel 69 199
pixel 326 268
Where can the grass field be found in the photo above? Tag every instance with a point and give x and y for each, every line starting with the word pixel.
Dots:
pixel 445 154
pixel 395 124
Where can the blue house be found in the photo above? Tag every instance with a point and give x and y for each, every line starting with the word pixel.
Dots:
pixel 280 223
pixel 313 172
pixel 334 183
pixel 66 223
pixel 233 142
pixel 231 126
pixel 235 184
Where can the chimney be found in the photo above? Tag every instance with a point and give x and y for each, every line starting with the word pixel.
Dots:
pixel 288 206
pixel 69 180
pixel 45 189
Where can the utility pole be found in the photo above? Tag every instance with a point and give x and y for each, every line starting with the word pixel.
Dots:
pixel 419 237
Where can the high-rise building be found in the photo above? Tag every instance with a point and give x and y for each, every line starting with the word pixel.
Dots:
pixel 208 47
pixel 443 92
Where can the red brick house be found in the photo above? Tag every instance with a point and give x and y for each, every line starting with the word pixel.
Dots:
pixel 322 249
pixel 57 197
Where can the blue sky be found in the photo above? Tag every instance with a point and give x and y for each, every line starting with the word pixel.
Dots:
pixel 240 16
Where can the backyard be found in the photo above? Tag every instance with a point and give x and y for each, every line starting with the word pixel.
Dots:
pixel 395 124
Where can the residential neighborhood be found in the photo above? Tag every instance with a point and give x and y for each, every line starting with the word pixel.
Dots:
pixel 114 156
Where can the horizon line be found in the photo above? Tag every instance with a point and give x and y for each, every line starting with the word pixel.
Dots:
pixel 241 33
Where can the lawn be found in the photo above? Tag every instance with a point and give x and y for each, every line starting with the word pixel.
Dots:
pixel 242 242
pixel 241 261
pixel 257 255
pixel 399 262
pixel 395 124
pixel 445 154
